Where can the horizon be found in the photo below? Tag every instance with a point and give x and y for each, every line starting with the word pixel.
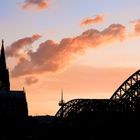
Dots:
pixel 87 49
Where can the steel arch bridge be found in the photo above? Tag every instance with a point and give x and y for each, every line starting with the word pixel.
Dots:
pixel 125 99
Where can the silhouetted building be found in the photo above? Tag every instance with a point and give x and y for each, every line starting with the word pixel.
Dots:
pixel 12 102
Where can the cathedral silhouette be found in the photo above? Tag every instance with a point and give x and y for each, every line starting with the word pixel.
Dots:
pixel 12 102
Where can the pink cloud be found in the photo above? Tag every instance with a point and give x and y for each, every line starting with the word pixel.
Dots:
pixel 14 48
pixel 96 20
pixel 35 4
pixel 51 56
pixel 31 80
pixel 136 25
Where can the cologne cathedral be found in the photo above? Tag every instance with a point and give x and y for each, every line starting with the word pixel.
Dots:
pixel 12 102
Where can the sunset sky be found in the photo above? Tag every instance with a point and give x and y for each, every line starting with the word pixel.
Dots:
pixel 85 47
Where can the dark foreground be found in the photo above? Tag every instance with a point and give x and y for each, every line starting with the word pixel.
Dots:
pixel 97 126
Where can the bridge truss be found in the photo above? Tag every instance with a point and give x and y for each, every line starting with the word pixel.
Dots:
pixel 125 99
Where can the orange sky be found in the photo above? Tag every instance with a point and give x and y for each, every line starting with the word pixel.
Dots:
pixel 87 49
pixel 77 82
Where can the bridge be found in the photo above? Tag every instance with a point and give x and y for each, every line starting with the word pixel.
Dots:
pixel 125 99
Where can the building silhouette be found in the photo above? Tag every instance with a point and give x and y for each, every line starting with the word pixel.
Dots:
pixel 12 102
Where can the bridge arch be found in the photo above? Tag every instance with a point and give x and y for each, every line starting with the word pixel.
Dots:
pixel 125 99
pixel 126 86
pixel 77 106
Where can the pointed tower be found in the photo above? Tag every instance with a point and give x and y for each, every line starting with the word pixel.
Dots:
pixel 4 73
pixel 62 103
pixel 2 57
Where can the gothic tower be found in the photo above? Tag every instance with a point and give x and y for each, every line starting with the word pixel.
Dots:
pixel 12 102
pixel 4 73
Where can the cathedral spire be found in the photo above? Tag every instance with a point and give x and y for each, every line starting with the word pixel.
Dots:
pixel 2 57
pixel 4 73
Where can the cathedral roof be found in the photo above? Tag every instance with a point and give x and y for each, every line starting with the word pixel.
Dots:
pixel 17 94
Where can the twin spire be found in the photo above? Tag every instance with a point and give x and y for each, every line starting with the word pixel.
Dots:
pixel 2 57
pixel 4 73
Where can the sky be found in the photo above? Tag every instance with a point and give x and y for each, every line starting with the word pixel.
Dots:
pixel 85 48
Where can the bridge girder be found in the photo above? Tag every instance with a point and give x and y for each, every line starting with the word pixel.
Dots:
pixel 126 85
pixel 125 99
pixel 77 106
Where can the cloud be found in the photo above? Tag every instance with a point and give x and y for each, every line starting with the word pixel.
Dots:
pixel 136 25
pixel 95 20
pixel 51 56
pixel 31 80
pixel 35 4
pixel 14 49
